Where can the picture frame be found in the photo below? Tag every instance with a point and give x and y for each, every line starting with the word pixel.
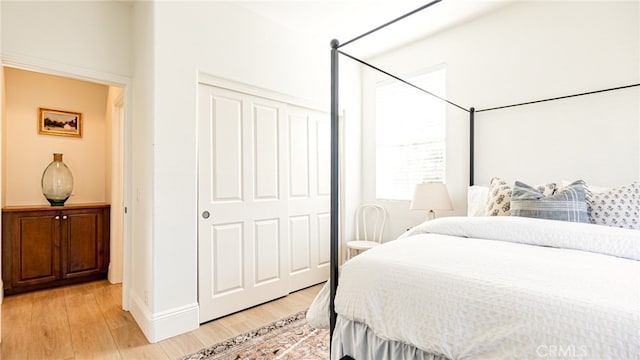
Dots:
pixel 59 123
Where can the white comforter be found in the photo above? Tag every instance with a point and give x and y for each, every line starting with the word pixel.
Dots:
pixel 490 291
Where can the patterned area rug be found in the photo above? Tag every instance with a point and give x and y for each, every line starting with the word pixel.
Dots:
pixel 291 338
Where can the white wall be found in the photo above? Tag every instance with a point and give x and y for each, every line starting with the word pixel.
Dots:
pixel 92 35
pixel 528 51
pixel 227 41
pixel 141 248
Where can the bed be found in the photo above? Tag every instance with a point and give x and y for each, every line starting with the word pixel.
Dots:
pixel 490 288
pixel 494 287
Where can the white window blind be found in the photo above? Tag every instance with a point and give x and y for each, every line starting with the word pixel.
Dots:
pixel 410 135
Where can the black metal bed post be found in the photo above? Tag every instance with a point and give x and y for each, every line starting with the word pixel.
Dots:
pixel 472 112
pixel 335 183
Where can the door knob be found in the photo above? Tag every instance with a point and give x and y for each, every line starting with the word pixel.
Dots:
pixel 205 214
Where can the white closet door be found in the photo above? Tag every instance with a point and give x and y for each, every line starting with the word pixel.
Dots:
pixel 243 255
pixel 309 179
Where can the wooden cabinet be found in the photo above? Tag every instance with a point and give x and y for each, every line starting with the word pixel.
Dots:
pixel 45 246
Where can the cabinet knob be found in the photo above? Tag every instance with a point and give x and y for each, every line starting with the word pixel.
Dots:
pixel 57 217
pixel 64 217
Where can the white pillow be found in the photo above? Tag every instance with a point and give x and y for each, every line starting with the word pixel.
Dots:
pixel 477 197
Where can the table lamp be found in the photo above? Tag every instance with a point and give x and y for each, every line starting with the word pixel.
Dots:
pixel 431 196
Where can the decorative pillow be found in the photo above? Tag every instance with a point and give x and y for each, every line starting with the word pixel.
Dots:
pixel 499 203
pixel 477 200
pixel 499 198
pixel 619 207
pixel 590 188
pixel 566 204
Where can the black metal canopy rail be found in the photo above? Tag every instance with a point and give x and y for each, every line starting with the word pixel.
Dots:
pixel 335 52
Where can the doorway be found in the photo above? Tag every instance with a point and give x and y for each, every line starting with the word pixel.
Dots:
pixel 97 158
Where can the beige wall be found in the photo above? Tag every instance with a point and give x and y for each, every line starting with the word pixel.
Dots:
pixel 112 92
pixel 3 126
pixel 27 153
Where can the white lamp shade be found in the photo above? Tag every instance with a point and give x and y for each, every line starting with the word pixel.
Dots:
pixel 431 196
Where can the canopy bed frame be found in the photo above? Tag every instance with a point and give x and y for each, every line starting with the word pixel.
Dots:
pixel 335 52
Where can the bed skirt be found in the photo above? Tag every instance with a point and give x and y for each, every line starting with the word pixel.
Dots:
pixel 358 341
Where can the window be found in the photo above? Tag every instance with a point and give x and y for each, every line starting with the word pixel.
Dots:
pixel 410 135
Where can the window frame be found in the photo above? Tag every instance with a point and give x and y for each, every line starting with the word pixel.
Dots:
pixel 440 91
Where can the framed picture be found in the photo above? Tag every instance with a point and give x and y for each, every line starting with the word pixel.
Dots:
pixel 61 123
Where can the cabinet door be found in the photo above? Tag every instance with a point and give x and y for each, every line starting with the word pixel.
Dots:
pixel 83 242
pixel 35 253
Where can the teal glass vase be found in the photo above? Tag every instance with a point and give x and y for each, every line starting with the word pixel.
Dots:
pixel 57 181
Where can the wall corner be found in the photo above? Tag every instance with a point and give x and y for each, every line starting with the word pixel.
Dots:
pixel 163 325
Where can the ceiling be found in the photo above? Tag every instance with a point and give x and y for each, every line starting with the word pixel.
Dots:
pixel 346 19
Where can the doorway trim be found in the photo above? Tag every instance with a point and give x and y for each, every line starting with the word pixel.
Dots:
pixel 78 73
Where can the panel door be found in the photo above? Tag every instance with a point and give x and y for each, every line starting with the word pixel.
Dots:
pixel 309 190
pixel 243 198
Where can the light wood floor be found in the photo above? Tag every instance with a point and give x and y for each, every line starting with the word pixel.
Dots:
pixel 86 322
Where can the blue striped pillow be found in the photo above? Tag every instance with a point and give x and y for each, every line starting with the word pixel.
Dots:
pixel 566 204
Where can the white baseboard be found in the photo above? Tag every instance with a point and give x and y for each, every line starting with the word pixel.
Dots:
pixel 163 325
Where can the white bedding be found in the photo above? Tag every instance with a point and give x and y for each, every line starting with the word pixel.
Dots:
pixel 472 297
